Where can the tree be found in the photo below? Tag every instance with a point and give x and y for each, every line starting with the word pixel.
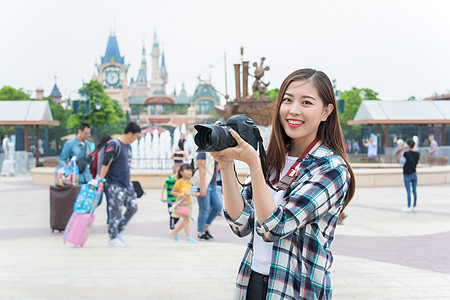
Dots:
pixel 352 101
pixel 9 93
pixel 109 113
pixel 273 94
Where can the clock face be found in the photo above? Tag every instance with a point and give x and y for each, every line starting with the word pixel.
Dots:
pixel 112 77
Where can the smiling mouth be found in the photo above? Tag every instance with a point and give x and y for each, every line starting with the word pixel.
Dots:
pixel 295 122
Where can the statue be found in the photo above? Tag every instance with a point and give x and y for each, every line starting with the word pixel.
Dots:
pixel 259 86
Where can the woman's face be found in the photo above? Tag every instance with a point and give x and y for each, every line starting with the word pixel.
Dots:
pixel 302 110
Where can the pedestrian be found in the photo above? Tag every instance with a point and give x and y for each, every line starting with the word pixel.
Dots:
pixel 97 167
pixel 78 147
pixel 116 172
pixel 292 218
pixel 399 150
pixel 187 148
pixel 167 189
pixel 178 156
pixel 209 202
pixel 409 161
pixel 432 151
pixel 355 147
pixel 371 149
pixel 182 191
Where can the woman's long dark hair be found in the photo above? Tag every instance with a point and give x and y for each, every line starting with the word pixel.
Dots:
pixel 103 141
pixel 329 132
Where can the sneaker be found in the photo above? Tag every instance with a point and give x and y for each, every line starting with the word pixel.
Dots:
pixel 208 234
pixel 175 236
pixel 203 237
pixel 191 240
pixel 407 209
pixel 413 209
pixel 116 243
pixel 120 237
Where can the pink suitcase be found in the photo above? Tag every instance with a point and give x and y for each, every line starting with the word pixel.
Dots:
pixel 78 228
pixel 80 225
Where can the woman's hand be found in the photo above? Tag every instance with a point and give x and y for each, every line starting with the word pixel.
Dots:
pixel 243 152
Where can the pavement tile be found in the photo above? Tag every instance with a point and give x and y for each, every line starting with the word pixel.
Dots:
pixel 379 253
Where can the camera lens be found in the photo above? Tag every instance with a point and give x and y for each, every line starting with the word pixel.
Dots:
pixel 213 138
pixel 203 138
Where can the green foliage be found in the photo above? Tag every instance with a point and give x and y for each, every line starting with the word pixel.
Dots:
pixel 412 98
pixel 9 93
pixel 109 113
pixel 273 94
pixel 256 95
pixel 352 101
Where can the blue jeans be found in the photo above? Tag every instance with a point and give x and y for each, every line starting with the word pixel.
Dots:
pixel 409 180
pixel 208 208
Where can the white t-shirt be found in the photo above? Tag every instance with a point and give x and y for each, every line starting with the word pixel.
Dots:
pixel 262 251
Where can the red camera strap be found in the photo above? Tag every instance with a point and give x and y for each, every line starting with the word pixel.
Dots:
pixel 287 179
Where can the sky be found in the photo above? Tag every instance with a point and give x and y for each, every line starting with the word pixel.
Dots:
pixel 397 48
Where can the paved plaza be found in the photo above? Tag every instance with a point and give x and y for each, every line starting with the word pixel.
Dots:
pixel 379 253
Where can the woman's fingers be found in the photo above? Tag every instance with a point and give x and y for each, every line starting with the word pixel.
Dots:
pixel 236 136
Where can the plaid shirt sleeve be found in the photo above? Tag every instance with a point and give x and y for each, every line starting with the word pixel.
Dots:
pixel 312 195
pixel 243 225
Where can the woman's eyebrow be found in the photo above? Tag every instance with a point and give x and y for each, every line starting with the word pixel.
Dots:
pixel 309 97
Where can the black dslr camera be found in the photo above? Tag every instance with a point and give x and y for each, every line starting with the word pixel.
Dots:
pixel 217 137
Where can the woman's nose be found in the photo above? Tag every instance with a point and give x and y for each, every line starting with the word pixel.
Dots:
pixel 295 109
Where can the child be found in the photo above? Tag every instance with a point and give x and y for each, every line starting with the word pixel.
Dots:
pixel 182 190
pixel 167 186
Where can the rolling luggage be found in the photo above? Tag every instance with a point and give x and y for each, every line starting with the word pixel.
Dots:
pixel 62 200
pixel 80 224
pixel 78 228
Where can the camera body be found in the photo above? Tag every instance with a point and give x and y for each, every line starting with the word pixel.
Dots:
pixel 217 137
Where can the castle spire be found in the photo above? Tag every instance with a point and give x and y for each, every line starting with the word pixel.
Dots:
pixel 112 52
pixel 164 74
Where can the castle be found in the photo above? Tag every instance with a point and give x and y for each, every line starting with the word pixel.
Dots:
pixel 146 98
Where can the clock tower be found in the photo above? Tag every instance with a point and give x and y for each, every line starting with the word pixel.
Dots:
pixel 112 73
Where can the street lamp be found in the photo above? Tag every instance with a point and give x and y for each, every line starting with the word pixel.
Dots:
pixel 340 102
pixel 83 97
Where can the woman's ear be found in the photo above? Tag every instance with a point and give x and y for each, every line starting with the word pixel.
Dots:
pixel 327 111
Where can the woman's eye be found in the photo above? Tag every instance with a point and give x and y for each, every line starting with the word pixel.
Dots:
pixel 286 100
pixel 306 102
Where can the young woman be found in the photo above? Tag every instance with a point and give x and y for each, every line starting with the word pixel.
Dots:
pixel 409 161
pixel 292 225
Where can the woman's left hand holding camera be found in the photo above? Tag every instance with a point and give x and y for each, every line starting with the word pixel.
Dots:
pixel 243 152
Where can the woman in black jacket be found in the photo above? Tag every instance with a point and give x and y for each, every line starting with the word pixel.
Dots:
pixel 410 160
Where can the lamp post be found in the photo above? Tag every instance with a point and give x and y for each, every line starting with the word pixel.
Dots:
pixel 84 97
pixel 340 102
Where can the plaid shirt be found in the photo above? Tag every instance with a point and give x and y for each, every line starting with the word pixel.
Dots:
pixel 301 229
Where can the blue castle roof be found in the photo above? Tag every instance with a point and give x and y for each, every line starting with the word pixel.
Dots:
pixel 112 52
pixel 163 61
pixel 142 77
pixel 55 92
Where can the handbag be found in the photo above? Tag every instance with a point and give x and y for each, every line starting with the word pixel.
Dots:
pixel 138 188
pixel 183 210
